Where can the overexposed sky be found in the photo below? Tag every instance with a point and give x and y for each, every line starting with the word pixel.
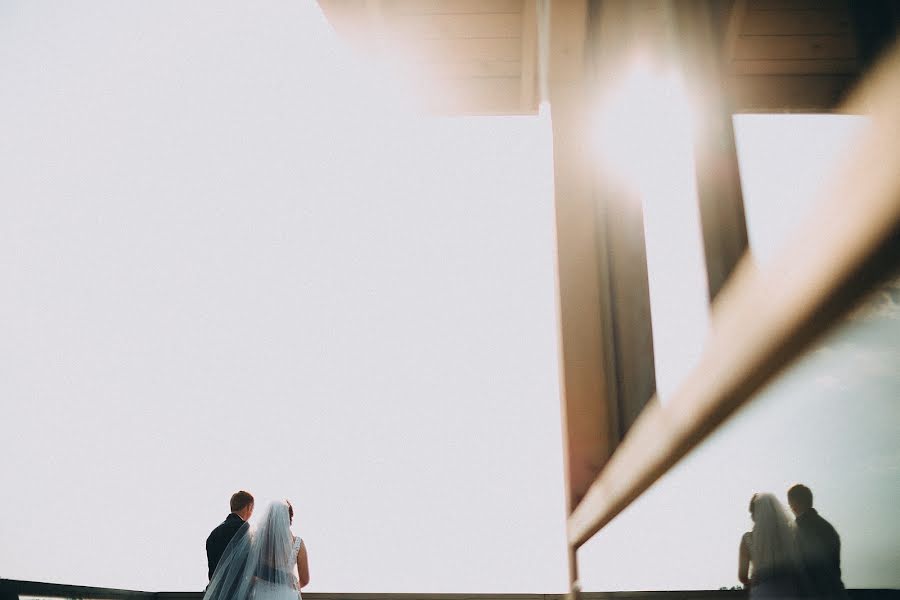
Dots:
pixel 231 258
pixel 230 261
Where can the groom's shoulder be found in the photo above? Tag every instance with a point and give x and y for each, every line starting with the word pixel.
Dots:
pixel 225 526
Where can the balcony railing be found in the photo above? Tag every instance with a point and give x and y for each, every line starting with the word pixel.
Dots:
pixel 11 589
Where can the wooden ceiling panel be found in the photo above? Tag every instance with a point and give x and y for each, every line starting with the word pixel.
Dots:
pixel 441 26
pixel 449 46
pixel 847 66
pixel 430 7
pixel 491 96
pixel 792 54
pixel 799 93
pixel 782 5
pixel 468 49
pixel 459 56
pixel 800 22
pixel 482 69
pixel 795 47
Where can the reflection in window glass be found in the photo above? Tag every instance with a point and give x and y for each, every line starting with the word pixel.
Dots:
pixel 830 421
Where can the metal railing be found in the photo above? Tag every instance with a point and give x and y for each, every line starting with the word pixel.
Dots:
pixel 12 589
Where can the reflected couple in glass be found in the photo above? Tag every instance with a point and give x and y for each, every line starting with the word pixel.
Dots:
pixel 790 556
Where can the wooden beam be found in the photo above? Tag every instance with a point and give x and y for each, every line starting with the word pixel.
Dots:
pixel 588 425
pixel 528 83
pixel 568 27
pixel 737 14
pixel 836 257
pixel 719 195
pixel 607 369
pixel 626 315
pixel 585 417
pixel 616 32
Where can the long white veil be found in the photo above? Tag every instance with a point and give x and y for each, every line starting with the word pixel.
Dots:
pixel 257 563
pixel 773 544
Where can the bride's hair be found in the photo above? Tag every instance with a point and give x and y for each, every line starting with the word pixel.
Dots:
pixel 773 542
pixel 290 510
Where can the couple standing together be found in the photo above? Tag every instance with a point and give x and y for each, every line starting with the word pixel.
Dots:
pixel 261 562
pixel 783 558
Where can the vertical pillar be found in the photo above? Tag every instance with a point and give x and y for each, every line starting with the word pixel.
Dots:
pixel 718 179
pixel 607 367
pixel 616 31
pixel 585 414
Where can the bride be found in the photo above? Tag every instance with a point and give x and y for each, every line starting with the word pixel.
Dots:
pixel 262 562
pixel 769 562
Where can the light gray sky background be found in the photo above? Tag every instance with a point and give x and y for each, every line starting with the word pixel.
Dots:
pixel 230 259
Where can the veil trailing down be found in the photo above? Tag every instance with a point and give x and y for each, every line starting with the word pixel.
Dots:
pixel 770 549
pixel 773 543
pixel 260 562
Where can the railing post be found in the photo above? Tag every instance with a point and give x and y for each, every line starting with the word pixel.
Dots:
pixel 574 586
pixel 7 591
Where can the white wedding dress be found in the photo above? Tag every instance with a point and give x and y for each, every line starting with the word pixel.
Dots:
pixel 265 590
pixel 260 562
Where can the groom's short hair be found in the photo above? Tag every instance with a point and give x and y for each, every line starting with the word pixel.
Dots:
pixel 241 500
pixel 800 496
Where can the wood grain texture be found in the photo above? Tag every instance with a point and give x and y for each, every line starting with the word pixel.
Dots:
pixel 431 26
pixel 587 422
pixel 719 194
pixel 803 22
pixel 466 49
pixel 789 93
pixel 529 76
pixel 489 96
pixel 782 5
pixel 816 66
pixel 431 7
pixel 795 47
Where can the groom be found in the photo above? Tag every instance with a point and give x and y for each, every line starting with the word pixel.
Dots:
pixel 819 545
pixel 241 509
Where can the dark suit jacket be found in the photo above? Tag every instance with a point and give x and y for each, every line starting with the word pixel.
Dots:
pixel 218 540
pixel 820 548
